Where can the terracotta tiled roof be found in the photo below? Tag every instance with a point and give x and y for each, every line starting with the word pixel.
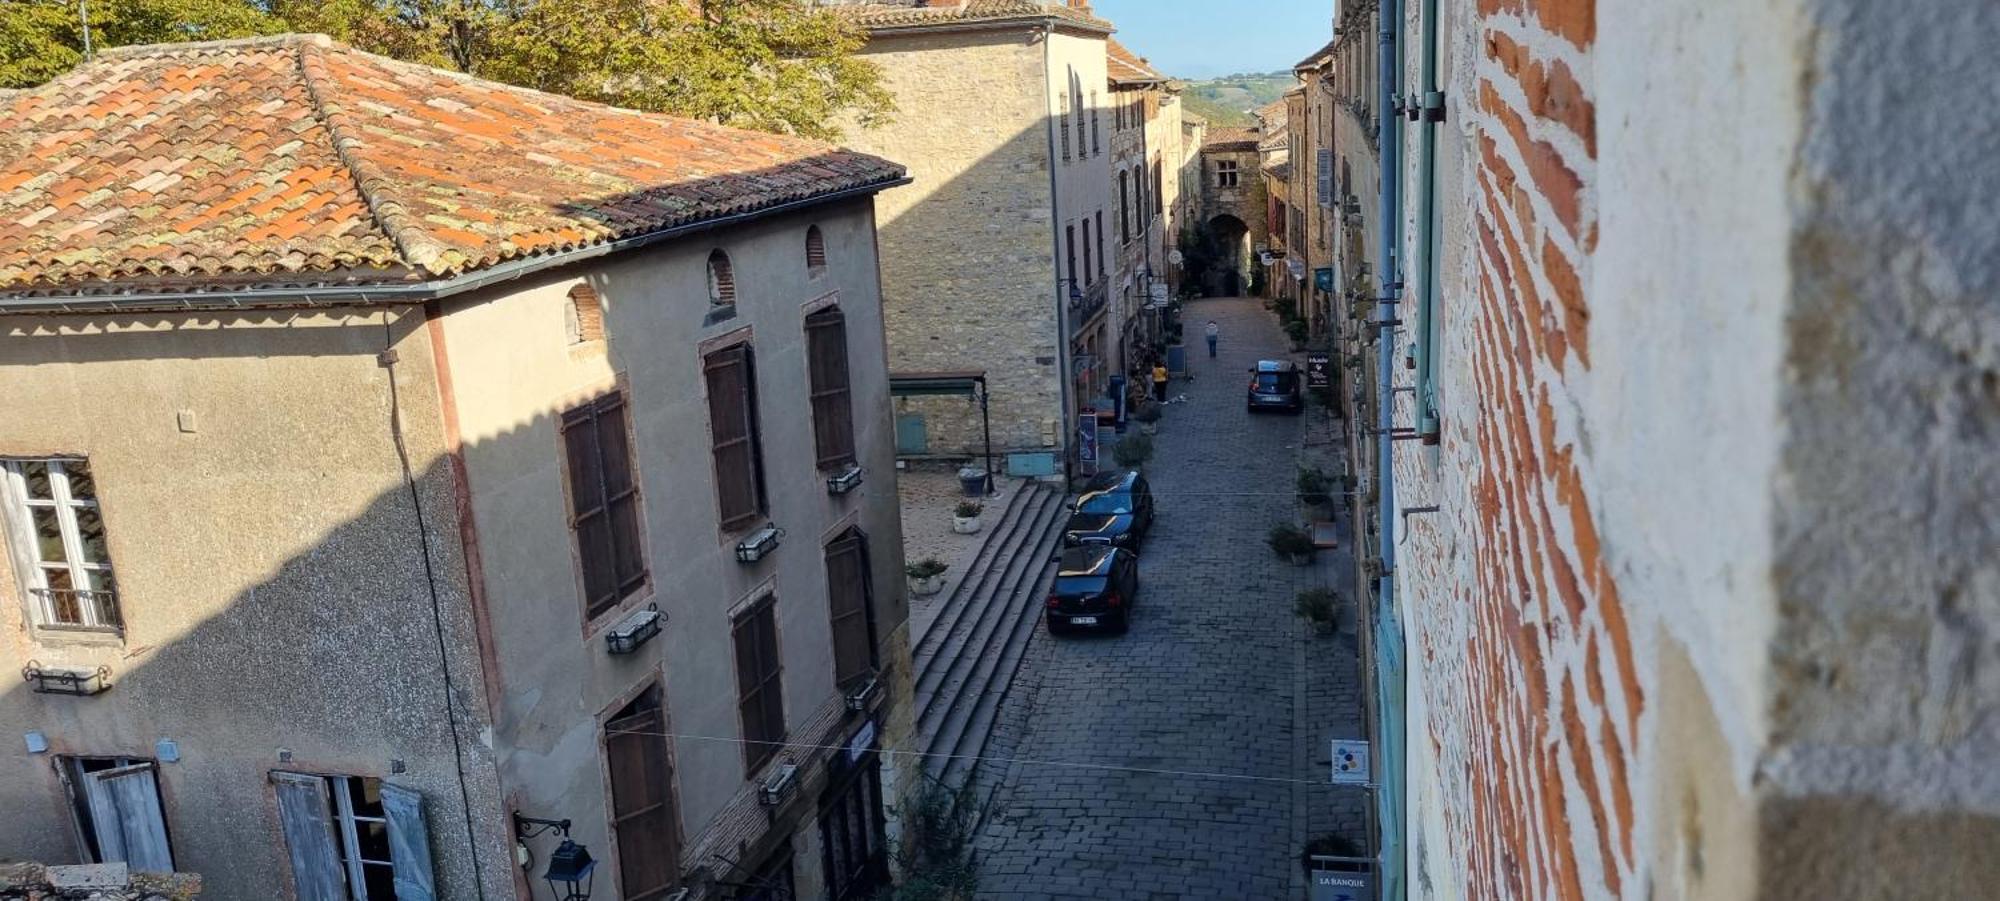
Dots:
pixel 1230 138
pixel 1273 113
pixel 296 160
pixel 1125 67
pixel 1318 57
pixel 889 16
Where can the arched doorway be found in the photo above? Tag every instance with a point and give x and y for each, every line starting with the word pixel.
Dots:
pixel 1229 275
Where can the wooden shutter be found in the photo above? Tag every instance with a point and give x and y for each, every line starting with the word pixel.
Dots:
pixel 604 502
pixel 732 418
pixel 125 812
pixel 586 315
pixel 815 250
pixel 642 810
pixel 832 402
pixel 760 695
pixel 309 837
pixel 409 844
pixel 847 593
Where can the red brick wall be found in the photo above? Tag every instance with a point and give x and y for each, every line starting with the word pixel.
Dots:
pixel 1530 689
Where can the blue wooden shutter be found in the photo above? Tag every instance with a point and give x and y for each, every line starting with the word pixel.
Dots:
pixel 308 825
pixel 409 844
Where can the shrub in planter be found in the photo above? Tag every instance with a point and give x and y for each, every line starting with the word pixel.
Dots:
pixel 1132 451
pixel 1314 487
pixel 1290 542
pixel 1316 606
pixel 965 517
pixel 1148 417
pixel 1297 330
pixel 926 575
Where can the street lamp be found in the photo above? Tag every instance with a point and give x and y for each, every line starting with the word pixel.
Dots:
pixel 570 868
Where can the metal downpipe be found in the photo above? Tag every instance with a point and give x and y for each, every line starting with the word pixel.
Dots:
pixel 1388 644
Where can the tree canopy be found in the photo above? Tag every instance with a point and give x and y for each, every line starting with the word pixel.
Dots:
pixel 774 65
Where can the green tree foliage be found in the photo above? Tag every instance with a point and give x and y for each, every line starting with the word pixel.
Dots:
pixel 40 39
pixel 773 65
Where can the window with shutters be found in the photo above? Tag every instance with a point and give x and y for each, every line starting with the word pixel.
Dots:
pixel 721 281
pixel 604 509
pixel 853 604
pixel 760 701
pixel 1088 270
pixel 354 838
pixel 116 804
pixel 1096 126
pixel 732 426
pixel 56 531
pixel 1124 207
pixel 832 402
pixel 1062 103
pixel 1100 244
pixel 1159 188
pixel 583 316
pixel 1069 232
pixel 645 822
pixel 815 252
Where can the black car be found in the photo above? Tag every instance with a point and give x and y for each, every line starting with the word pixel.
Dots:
pixel 1116 508
pixel 1095 586
pixel 1275 385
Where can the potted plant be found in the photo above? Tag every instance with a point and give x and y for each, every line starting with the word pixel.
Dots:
pixel 1315 605
pixel 1132 451
pixel 1292 543
pixel 965 517
pixel 926 576
pixel 1315 488
pixel 1149 419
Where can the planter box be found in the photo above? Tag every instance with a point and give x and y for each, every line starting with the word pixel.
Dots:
pixel 1300 559
pixel 965 525
pixel 927 587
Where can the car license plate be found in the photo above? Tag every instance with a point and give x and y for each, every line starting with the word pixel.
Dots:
pixel 1083 620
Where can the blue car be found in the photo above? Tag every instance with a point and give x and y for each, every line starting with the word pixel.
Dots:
pixel 1275 385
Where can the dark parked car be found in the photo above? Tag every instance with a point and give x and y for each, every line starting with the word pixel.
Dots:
pixel 1095 586
pixel 1275 385
pixel 1116 508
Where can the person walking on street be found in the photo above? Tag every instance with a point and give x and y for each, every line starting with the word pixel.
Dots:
pixel 1214 331
pixel 1159 380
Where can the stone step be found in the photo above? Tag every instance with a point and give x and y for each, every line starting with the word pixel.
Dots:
pixel 944 610
pixel 985 603
pixel 963 733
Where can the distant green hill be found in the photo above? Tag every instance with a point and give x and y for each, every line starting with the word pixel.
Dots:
pixel 1229 100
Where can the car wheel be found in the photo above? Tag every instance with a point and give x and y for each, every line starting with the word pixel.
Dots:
pixel 1122 623
pixel 1055 628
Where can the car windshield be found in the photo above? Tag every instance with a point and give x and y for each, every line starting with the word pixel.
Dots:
pixel 1275 381
pixel 1074 586
pixel 1105 504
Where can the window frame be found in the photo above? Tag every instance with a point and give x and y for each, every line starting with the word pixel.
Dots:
pixel 17 513
pixel 846 676
pixel 1227 174
pixel 582 330
pixel 1089 271
pixel 719 271
pixel 653 692
pixel 1124 207
pixel 765 736
pixel 833 449
pixel 815 249
pixel 624 590
pixel 733 522
pixel 1103 268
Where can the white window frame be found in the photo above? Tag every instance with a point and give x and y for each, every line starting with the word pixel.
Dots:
pixel 84 575
pixel 346 820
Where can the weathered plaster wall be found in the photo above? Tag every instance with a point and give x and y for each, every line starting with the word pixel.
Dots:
pixel 967 256
pixel 270 570
pixel 514 373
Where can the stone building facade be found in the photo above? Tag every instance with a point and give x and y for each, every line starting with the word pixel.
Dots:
pixel 370 482
pixel 1146 139
pixel 1233 206
pixel 995 257
pixel 1689 556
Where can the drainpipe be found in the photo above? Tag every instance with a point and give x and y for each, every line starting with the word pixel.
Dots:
pixel 1388 646
pixel 1430 112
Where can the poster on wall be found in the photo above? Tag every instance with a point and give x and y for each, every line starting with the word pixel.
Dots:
pixel 1086 443
pixel 1318 373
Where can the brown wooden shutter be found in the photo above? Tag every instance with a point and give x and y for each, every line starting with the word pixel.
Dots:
pixel 815 250
pixel 604 502
pixel 643 819
pixel 760 695
pixel 848 594
pixel 832 400
pixel 732 420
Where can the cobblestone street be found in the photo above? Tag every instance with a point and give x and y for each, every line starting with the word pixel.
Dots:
pixel 1186 759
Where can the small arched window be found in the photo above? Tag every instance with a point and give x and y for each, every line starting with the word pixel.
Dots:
pixel 583 315
pixel 721 280
pixel 815 252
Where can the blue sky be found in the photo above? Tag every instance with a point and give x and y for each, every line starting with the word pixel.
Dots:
pixel 1206 38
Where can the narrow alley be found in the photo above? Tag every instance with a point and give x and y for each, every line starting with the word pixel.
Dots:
pixel 1186 758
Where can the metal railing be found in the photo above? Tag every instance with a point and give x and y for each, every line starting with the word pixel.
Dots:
pixel 78 608
pixel 1085 305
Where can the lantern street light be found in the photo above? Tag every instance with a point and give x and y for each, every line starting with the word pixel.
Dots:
pixel 570 868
